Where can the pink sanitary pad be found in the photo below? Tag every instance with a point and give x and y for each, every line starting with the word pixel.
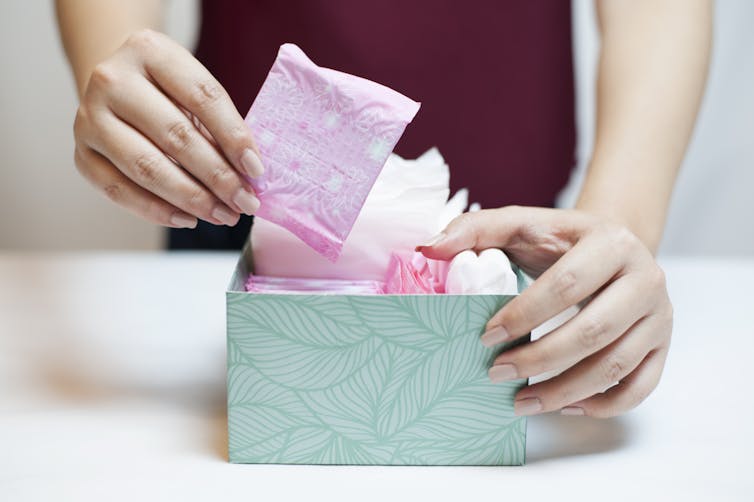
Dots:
pixel 324 136
pixel 288 285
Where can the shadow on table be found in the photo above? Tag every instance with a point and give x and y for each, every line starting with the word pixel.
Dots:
pixel 201 397
pixel 82 363
pixel 556 436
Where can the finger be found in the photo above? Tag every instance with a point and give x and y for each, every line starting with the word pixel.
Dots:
pixel 588 266
pixel 145 108
pixel 597 372
pixel 101 173
pixel 187 81
pixel 141 161
pixel 628 394
pixel 595 327
pixel 500 228
pixel 197 124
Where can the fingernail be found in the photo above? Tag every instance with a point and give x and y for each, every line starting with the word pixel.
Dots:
pixel 246 201
pixel 527 406
pixel 431 242
pixel 251 163
pixel 496 335
pixel 572 410
pixel 225 216
pixel 503 372
pixel 183 220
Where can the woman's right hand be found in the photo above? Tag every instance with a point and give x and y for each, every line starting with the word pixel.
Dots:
pixel 161 137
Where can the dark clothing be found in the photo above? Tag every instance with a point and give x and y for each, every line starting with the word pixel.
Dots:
pixel 494 77
pixel 209 236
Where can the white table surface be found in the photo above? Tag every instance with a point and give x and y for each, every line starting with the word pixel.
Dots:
pixel 112 387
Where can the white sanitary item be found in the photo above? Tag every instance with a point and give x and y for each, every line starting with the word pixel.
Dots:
pixel 489 272
pixel 407 206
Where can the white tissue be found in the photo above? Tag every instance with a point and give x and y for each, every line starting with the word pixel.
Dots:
pixel 407 205
pixel 489 272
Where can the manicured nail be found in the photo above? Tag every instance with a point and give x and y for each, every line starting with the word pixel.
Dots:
pixel 502 373
pixel 225 216
pixel 527 406
pixel 246 201
pixel 493 336
pixel 572 410
pixel 251 163
pixel 183 220
pixel 431 242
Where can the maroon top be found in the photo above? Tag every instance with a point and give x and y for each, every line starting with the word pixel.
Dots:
pixel 494 77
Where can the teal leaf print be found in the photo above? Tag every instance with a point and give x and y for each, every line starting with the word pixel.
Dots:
pixel 367 380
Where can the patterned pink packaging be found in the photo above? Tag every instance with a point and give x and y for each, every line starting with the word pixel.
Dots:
pixel 323 136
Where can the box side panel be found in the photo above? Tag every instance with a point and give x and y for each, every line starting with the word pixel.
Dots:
pixel 391 380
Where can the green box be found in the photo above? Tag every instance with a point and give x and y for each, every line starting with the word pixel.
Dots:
pixel 349 379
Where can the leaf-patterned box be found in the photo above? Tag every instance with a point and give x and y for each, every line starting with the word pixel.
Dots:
pixel 347 379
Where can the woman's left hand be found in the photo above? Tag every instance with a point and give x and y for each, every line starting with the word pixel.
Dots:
pixel 611 354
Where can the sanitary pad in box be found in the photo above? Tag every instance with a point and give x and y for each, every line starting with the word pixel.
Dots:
pixel 365 379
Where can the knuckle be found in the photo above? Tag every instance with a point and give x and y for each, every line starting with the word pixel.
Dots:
pixel 565 286
pixel 180 137
pixel 113 191
pixel 564 396
pixel 103 75
pixel 199 202
pixel 205 94
pixel 592 331
pixel 156 211
pixel 221 177
pixel 622 237
pixel 238 134
pixel 535 361
pixel 465 225
pixel 657 279
pixel 143 39
pixel 668 315
pixel 146 168
pixel 513 314
pixel 665 325
pixel 612 368
pixel 462 219
pixel 80 125
pixel 79 162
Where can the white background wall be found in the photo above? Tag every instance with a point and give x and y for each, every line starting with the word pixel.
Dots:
pixel 45 205
pixel 712 211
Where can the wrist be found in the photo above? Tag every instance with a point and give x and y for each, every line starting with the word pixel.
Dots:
pixel 645 225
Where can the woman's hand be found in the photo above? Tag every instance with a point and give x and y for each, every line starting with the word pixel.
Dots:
pixel 621 335
pixel 160 136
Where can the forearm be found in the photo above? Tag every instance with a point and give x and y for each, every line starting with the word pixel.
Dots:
pixel 652 71
pixel 92 30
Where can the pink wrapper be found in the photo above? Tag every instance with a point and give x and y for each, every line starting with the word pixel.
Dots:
pixel 324 136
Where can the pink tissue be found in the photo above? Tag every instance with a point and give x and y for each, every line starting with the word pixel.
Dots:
pixel 324 136
pixel 414 274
